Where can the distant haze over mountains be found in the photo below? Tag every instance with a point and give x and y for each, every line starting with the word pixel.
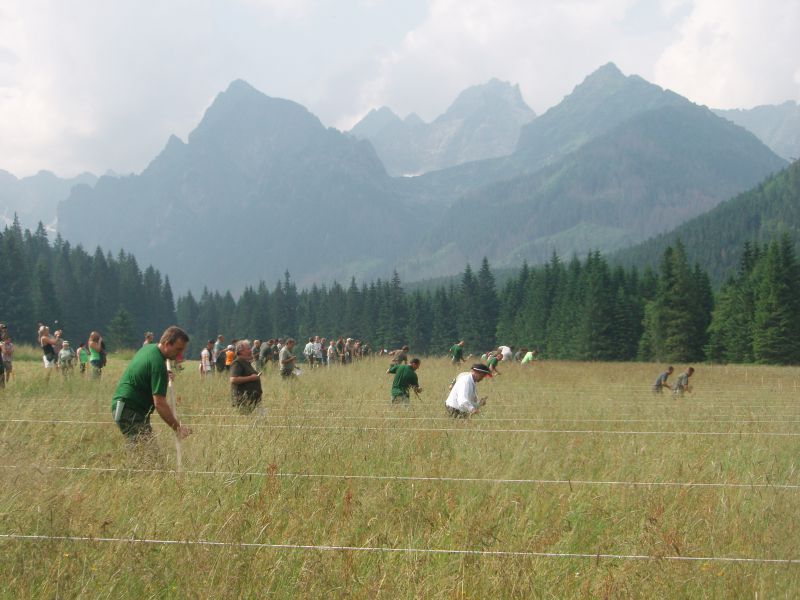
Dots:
pixel 777 126
pixel 261 186
pixel 35 198
pixel 483 122
pixel 616 162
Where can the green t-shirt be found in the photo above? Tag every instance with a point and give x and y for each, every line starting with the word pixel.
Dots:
pixel 404 378
pixel 492 362
pixel 145 377
pixel 457 351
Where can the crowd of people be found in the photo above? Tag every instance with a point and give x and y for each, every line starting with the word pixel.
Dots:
pixel 143 386
pixel 58 354
pixel 218 357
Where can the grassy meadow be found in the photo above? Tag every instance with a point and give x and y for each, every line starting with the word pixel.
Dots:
pixel 548 467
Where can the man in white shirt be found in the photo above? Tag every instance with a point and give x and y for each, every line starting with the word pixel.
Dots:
pixel 506 352
pixel 308 352
pixel 463 400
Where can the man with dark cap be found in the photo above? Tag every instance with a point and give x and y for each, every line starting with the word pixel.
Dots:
pixel 463 400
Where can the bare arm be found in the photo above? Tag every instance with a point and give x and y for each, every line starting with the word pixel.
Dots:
pixel 243 379
pixel 165 412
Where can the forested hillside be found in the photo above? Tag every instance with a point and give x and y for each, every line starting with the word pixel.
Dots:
pixel 716 239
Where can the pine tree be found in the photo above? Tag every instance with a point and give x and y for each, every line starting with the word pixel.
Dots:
pixel 776 330
pixel 469 328
pixel 45 301
pixel 120 331
pixel 488 306
pixel 15 291
pixel 443 329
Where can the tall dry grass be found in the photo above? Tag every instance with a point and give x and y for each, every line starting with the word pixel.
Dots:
pixel 259 479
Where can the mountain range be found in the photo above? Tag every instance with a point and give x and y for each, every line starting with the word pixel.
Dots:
pixel 483 122
pixel 35 199
pixel 261 186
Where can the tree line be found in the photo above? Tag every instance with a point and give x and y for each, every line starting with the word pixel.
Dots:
pixel 582 309
pixel 69 289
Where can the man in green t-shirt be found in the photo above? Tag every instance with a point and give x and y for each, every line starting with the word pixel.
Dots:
pixel 457 352
pixel 494 358
pixel 405 377
pixel 143 388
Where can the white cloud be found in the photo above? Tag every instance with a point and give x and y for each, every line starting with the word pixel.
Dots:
pixel 735 53
pixel 99 85
pixel 284 9
pixel 547 47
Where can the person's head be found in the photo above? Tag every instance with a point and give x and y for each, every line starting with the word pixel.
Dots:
pixel 243 349
pixel 256 343
pixel 82 345
pixel 65 344
pixel 461 343
pixel 148 336
pixel 44 330
pixel 94 336
pixel 210 344
pixel 415 363
pixel 311 340
pixel 670 369
pixel 689 371
pixel 220 338
pixel 480 371
pixel 173 342
pixel 290 343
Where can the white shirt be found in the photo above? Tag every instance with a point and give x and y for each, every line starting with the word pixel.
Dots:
pixel 464 395
pixel 317 350
pixel 309 349
pixel 506 352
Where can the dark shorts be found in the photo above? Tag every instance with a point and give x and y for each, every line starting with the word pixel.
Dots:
pixel 246 403
pixel 134 425
pixel 401 399
pixel 455 413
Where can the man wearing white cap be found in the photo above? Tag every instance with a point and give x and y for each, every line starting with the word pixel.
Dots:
pixel 463 400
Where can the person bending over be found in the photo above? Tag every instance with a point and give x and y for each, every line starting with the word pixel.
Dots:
pixel 143 388
pixel 463 399
pixel 405 378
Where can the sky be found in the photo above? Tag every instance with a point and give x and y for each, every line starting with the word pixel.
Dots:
pixel 98 85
